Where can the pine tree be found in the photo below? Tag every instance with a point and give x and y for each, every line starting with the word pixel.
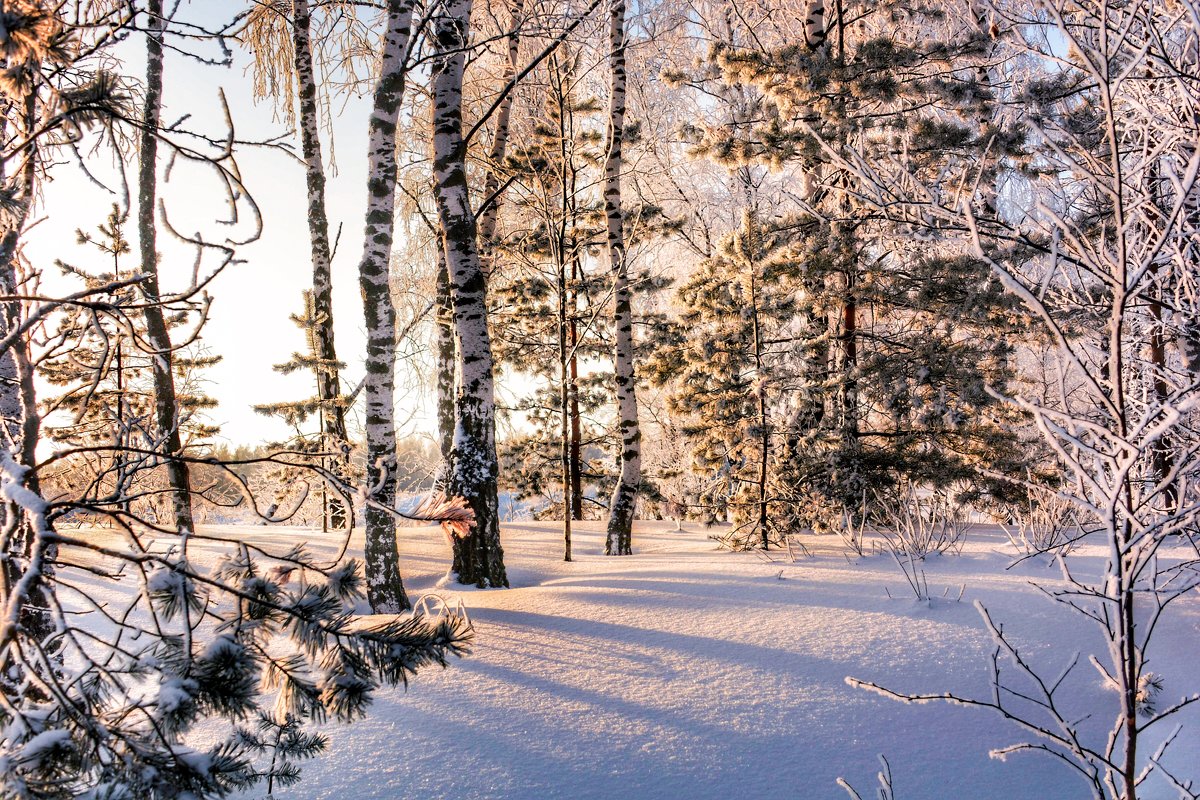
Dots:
pixel 734 371
pixel 907 326
pixel 297 415
pixel 546 324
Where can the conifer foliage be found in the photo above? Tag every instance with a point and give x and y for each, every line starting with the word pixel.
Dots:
pixel 891 333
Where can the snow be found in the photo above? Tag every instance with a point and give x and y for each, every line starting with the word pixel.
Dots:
pixel 44 744
pixel 174 693
pixel 682 671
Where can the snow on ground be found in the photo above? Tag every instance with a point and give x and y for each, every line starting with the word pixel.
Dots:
pixel 684 672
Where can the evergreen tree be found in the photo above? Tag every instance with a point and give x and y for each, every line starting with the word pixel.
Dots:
pixel 107 408
pixel 908 327
pixel 546 318
pixel 735 370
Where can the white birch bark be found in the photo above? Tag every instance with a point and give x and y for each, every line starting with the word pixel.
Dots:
pixel 166 407
pixel 385 591
pixel 488 217
pixel 478 556
pixel 624 499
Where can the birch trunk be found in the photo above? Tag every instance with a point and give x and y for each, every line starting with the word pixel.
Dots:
pixel 446 372
pixel 166 407
pixel 624 499
pixel 478 557
pixel 385 590
pixel 333 415
pixel 488 216
pixel 491 182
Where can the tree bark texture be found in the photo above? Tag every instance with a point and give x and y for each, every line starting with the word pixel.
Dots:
pixel 385 590
pixel 166 407
pixel 446 367
pixel 624 499
pixel 333 415
pixel 478 556
pixel 491 182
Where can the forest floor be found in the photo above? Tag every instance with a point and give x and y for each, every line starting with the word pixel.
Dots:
pixel 686 672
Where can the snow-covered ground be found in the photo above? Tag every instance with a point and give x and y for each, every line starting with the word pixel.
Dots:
pixel 684 672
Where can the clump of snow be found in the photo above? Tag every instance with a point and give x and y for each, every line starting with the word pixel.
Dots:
pixel 175 693
pixel 50 743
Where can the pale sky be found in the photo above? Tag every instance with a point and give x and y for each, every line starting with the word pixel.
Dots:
pixel 249 325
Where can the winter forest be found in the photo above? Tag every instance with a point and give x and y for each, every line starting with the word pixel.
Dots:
pixel 772 399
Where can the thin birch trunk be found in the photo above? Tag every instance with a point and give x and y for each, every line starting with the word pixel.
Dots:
pixel 385 590
pixel 445 354
pixel 624 499
pixel 491 182
pixel 333 415
pixel 478 556
pixel 166 407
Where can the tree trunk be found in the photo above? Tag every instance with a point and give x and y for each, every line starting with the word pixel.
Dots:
pixel 624 499
pixel 22 427
pixel 491 182
pixel 21 424
pixel 564 399
pixel 478 556
pixel 576 454
pixel 445 366
pixel 385 591
pixel 760 393
pixel 166 408
pixel 333 415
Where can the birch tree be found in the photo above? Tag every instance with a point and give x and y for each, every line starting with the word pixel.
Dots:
pixel 624 499
pixel 385 589
pixel 332 412
pixel 478 556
